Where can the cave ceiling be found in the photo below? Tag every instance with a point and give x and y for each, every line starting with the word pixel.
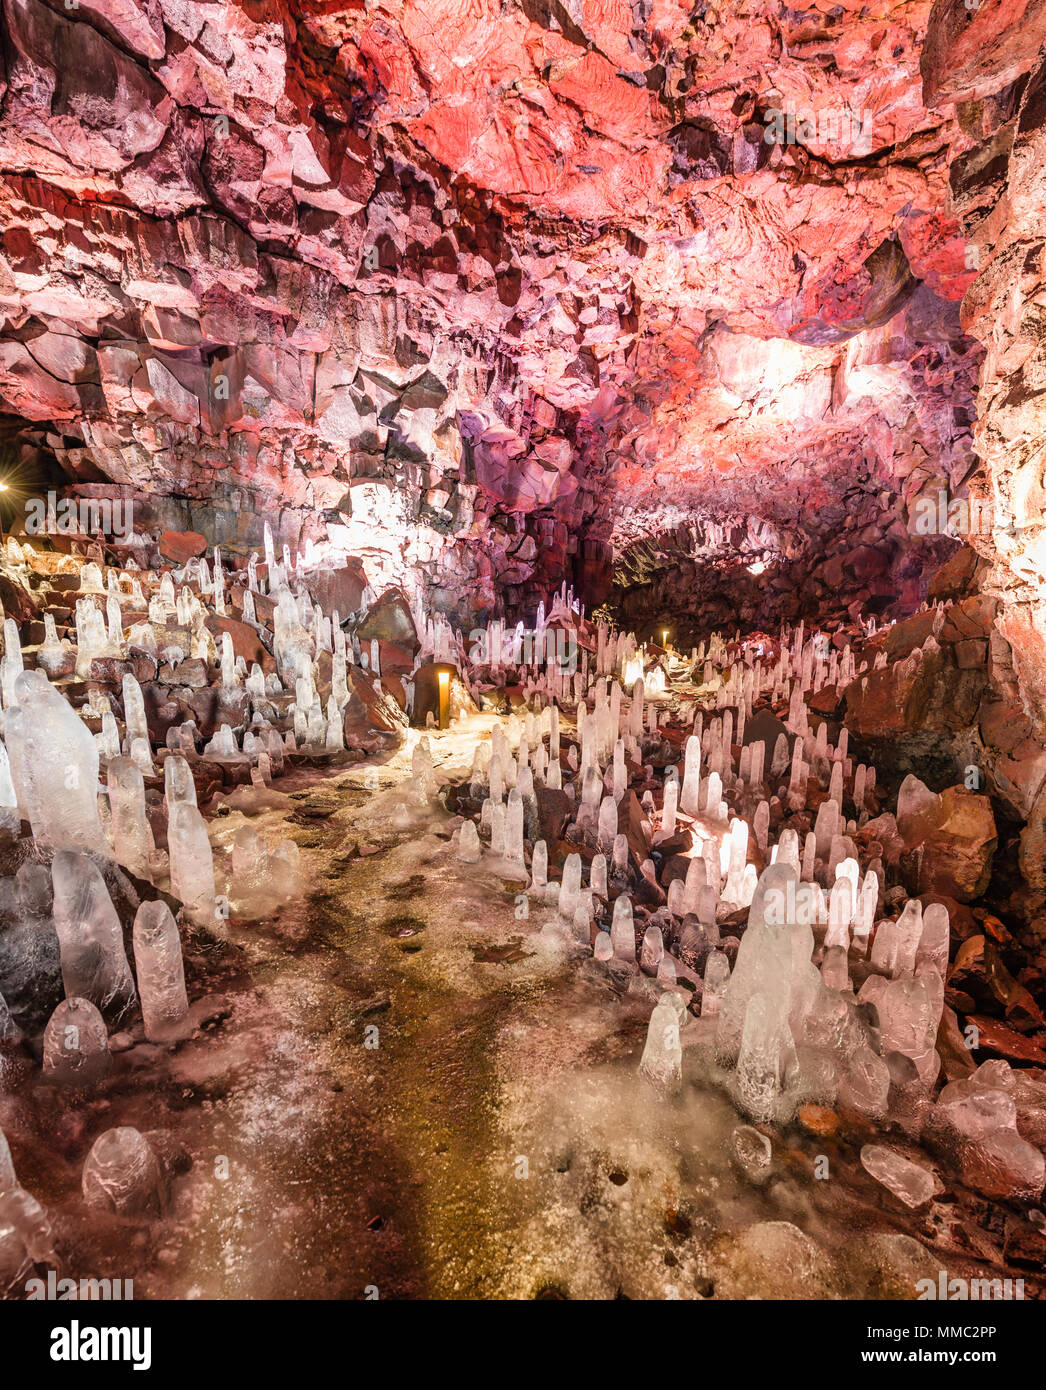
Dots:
pixel 524 288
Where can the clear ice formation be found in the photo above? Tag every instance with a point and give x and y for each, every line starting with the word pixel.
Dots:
pixel 57 759
pixel 132 837
pixel 752 1152
pixel 161 974
pixel 908 1181
pixel 122 1174
pixel 192 862
pixel 178 781
pixel 662 1059
pixel 7 1167
pixel 470 850
pixel 24 1223
pixel 622 930
pixel 761 1059
pixel 94 961
pixel 76 1044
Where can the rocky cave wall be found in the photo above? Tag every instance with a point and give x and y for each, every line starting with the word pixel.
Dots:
pixel 493 296
pixel 986 63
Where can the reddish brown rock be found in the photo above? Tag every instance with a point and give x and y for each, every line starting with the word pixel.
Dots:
pixel 995 1037
pixel 245 641
pixel 180 546
pixel 818 1119
pixel 372 721
pixel 956 839
pixel 337 589
pixel 389 619
pixel 956 576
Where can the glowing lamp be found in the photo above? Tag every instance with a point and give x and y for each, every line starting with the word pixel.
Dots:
pixel 443 679
pixel 664 638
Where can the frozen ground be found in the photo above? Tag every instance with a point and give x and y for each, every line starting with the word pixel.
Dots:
pixel 403 1088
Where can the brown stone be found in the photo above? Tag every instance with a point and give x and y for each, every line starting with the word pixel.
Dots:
pixel 180 546
pixel 337 590
pixel 997 1037
pixel 970 654
pixel 818 1119
pixel 955 576
pixel 554 810
pixel 390 620
pixel 954 855
pixel 245 641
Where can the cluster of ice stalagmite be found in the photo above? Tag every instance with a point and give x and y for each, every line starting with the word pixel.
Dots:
pixel 104 837
pixel 808 1010
pixel 92 799
pixel 836 994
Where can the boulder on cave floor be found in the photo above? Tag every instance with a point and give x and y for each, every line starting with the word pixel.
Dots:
pixel 952 838
pixel 390 620
pixel 338 589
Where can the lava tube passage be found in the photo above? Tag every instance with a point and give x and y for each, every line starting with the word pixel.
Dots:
pixel 522 673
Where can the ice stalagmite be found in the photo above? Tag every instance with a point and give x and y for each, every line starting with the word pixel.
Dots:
pixel 132 838
pixel 933 944
pixel 539 867
pixel 135 722
pixel 622 930
pixel 11 666
pixel 607 824
pixel 76 1044
pixel 161 975
pixel 619 857
pixel 652 950
pixel 760 1062
pixel 761 824
pixel 469 848
pixel 284 866
pixel 178 784
pixel 668 811
pixel 717 973
pixel 8 796
pixel 570 887
pixel 192 864
pixel 514 827
pixel 7 1167
pixel 690 793
pixel 122 1174
pixel 94 962
pixel 764 958
pixel 598 876
pixel 662 1060
pixel 54 654
pixel 250 871
pixel 57 759
pixel 497 830
pixel 908 1021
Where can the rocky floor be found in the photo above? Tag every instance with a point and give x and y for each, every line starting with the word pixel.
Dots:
pixel 402 1088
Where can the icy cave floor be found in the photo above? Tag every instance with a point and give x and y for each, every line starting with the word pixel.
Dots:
pixel 401 1088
